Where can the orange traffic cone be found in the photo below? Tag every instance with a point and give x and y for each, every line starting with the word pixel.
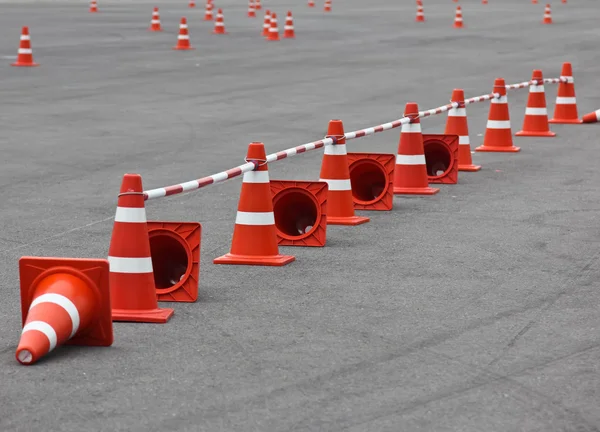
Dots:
pixel 311 3
pixel 410 174
pixel 484 2
pixel 420 15
pixel 192 4
pixel 273 29
pixel 327 7
pixel 536 114
pixel 593 117
pixel 457 124
pixel 251 11
pixel 565 110
pixel 219 23
pixel 63 301
pixel 183 39
pixel 155 22
pixel 208 15
pixel 534 1
pixel 498 132
pixel 132 288
pixel 547 15
pixel 93 6
pixel 288 32
pixel 255 236
pixel 266 23
pixel 458 18
pixel 335 172
pixel 257 5
pixel 25 54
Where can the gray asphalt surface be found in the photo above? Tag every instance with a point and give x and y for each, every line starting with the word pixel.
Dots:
pixel 472 310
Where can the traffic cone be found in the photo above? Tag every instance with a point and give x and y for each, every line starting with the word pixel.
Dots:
pixel 63 301
pixel 484 2
pixel 498 133
pixel 547 15
pixel 251 11
pixel 93 6
pixel 192 4
pixel 327 7
pixel 255 236
pixel 457 124
pixel 288 32
pixel 266 23
pixel 155 22
pixel 183 39
pixel 536 114
pixel 458 18
pixel 273 29
pixel 593 117
pixel 420 15
pixel 565 110
pixel 311 3
pixel 335 172
pixel 534 1
pixel 372 180
pixel 132 288
pixel 410 174
pixel 208 15
pixel 257 5
pixel 210 5
pixel 25 53
pixel 219 23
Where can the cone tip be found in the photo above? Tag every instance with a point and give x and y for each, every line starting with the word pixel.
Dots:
pixel 567 69
pixel 458 95
pixel 537 74
pixel 411 108
pixel 24 356
pixel 131 183
pixel 256 151
pixel 183 20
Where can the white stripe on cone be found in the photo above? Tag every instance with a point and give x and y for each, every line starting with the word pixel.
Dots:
pixel 64 303
pixel 255 218
pixel 130 265
pixel 338 185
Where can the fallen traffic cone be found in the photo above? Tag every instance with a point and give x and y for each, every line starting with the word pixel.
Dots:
pixel 266 23
pixel 251 11
pixel 288 32
pixel 457 124
pixel 565 109
pixel 183 39
pixel 498 132
pixel 335 172
pixel 155 22
pixel 300 209
pixel 420 15
pixel 372 180
pixel 273 29
pixel 93 6
pixel 458 18
pixel 64 301
pixel 219 23
pixel 410 173
pixel 208 15
pixel 132 289
pixel 441 158
pixel 327 7
pixel 547 15
pixel 25 53
pixel 255 236
pixel 593 117
pixel 175 252
pixel 536 114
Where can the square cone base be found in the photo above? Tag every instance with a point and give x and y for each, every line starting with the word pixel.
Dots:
pixel 155 316
pixel 511 149
pixel 469 168
pixel 416 191
pixel 349 221
pixel 565 121
pixel 277 260
pixel 536 134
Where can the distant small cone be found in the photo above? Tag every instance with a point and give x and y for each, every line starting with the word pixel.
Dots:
pixel 25 53
pixel 565 109
pixel 335 172
pixel 155 22
pixel 458 18
pixel 534 1
pixel 257 5
pixel 219 23
pixel 93 6
pixel 457 124
pixel 327 7
pixel 547 15
pixel 536 113
pixel 498 132
pixel 484 2
pixel 266 23
pixel 183 39
pixel 208 15
pixel 410 173
pixel 192 4
pixel 420 14
pixel 288 32
pixel 251 10
pixel 209 4
pixel 255 235
pixel 273 29
pixel 311 3
pixel 593 117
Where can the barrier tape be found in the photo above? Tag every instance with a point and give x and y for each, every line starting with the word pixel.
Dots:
pixel 252 165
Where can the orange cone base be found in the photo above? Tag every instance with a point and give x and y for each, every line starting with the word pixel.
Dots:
pixel 416 191
pixel 350 221
pixel 512 149
pixel 536 134
pixel 469 168
pixel 183 49
pixel 25 64
pixel 216 32
pixel 157 316
pixel 276 260
pixel 566 121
